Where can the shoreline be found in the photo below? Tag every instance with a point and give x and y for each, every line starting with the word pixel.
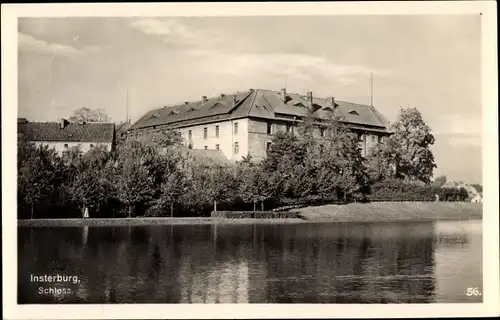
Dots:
pixel 125 222
pixel 380 212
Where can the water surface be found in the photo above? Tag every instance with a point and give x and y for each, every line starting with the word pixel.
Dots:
pixel 291 263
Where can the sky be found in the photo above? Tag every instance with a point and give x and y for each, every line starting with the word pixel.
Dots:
pixel 431 62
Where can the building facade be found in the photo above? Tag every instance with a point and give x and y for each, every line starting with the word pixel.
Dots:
pixel 243 123
pixel 63 136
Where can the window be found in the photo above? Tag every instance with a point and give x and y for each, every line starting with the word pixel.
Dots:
pixel 322 132
pixel 288 127
pixel 236 128
pixel 217 131
pixel 360 136
pixel 91 146
pixel 268 145
pixel 269 128
pixel 205 132
pixel 217 147
pixel 380 139
pixel 236 148
pixel 374 138
pixel 206 147
pixel 190 135
pixel 66 146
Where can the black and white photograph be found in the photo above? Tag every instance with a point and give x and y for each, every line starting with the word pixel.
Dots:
pixel 187 155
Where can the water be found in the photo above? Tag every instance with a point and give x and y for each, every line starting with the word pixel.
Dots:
pixel 292 263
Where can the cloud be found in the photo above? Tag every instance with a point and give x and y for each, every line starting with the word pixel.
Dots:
pixel 173 31
pixel 299 67
pixel 459 140
pixel 458 124
pixel 169 29
pixel 29 43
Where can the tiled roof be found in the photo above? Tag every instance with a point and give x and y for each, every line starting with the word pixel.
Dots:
pixel 122 127
pixel 72 132
pixel 261 103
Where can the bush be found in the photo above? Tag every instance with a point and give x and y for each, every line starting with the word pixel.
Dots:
pixel 401 190
pixel 232 214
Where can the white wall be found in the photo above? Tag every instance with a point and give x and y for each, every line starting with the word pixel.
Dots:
pixel 226 138
pixel 61 146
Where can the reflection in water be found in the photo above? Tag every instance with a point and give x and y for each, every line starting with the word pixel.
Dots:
pixel 299 263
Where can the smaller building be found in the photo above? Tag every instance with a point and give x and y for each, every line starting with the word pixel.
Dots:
pixel 64 135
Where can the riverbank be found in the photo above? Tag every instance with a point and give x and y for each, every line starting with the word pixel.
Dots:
pixel 392 211
pixel 353 212
pixel 148 222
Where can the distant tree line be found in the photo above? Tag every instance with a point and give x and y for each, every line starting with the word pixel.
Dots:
pixel 149 175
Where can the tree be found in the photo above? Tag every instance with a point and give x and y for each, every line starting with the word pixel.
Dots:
pixel 253 184
pixel 378 162
pixel 132 179
pixel 37 175
pixel 411 143
pixel 220 185
pixel 89 115
pixel 90 188
pixel 439 181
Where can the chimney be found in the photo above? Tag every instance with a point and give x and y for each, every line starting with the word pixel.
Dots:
pixel 186 103
pixel 204 99
pixel 332 101
pixel 310 98
pixel 63 123
pixel 283 94
pixel 234 99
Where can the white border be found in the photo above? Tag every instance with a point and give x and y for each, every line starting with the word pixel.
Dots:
pixel 490 306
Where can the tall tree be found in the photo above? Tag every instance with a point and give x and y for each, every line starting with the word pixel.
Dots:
pixel 378 163
pixel 37 175
pixel 411 141
pixel 133 182
pixel 253 185
pixel 89 115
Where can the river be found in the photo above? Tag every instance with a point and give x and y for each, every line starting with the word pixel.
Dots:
pixel 403 262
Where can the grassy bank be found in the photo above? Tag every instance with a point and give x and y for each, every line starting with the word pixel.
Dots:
pixel 147 222
pixel 393 211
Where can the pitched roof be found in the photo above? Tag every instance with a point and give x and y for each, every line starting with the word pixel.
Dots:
pixel 72 132
pixel 122 127
pixel 262 104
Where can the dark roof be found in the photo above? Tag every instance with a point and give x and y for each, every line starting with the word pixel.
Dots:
pixel 260 103
pixel 122 127
pixel 72 132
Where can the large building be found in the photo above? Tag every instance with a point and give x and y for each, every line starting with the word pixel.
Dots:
pixel 243 123
pixel 63 135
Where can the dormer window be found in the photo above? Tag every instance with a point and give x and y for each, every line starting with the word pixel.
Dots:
pixel 299 104
pixel 174 112
pixel 354 112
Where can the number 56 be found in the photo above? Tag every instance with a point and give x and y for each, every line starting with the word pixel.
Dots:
pixel 473 292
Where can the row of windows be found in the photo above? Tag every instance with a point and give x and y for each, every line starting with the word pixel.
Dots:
pixel 289 128
pixel 236 147
pixel 217 131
